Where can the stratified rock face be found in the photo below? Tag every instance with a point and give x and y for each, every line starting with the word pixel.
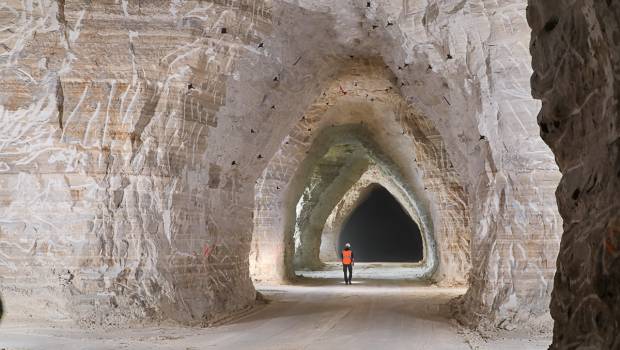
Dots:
pixel 576 57
pixel 114 201
pixel 132 135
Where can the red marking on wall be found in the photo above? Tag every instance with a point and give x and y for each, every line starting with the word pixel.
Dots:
pixel 207 250
pixel 611 248
pixel 609 245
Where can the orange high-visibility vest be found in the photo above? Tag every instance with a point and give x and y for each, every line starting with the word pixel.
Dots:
pixel 346 257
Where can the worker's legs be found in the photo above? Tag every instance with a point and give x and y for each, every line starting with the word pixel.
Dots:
pixel 350 268
pixel 344 269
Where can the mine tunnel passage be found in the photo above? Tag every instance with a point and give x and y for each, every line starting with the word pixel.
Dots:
pixel 380 230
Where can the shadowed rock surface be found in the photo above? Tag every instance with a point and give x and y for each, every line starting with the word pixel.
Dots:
pixel 576 56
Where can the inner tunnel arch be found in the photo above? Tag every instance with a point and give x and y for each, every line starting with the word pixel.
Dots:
pixel 355 196
pixel 381 231
pixel 310 221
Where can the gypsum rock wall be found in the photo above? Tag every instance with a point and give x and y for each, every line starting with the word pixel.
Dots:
pixel 508 173
pixel 114 203
pixel 576 56
pixel 126 116
pixel 245 64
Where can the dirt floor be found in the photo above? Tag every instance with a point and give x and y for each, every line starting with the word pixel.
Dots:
pixel 316 313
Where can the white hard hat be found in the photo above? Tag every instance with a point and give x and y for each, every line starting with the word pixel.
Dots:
pixel 348 245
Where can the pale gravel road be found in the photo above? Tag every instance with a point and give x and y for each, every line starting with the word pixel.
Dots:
pixel 315 314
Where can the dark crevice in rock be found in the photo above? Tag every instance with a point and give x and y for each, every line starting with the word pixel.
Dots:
pixel 551 23
pixel 60 103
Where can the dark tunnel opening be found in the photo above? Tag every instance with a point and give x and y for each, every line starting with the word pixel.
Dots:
pixel 380 230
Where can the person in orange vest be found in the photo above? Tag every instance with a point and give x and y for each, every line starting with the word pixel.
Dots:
pixel 347 263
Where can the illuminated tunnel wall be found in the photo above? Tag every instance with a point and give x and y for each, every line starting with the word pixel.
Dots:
pixel 380 230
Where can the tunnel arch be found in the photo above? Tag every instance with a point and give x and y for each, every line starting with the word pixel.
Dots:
pixel 382 167
pixel 472 82
pixel 380 230
pixel 356 195
pixel 352 134
pixel 364 94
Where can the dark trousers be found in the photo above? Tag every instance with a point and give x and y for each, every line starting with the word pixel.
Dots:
pixel 346 268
